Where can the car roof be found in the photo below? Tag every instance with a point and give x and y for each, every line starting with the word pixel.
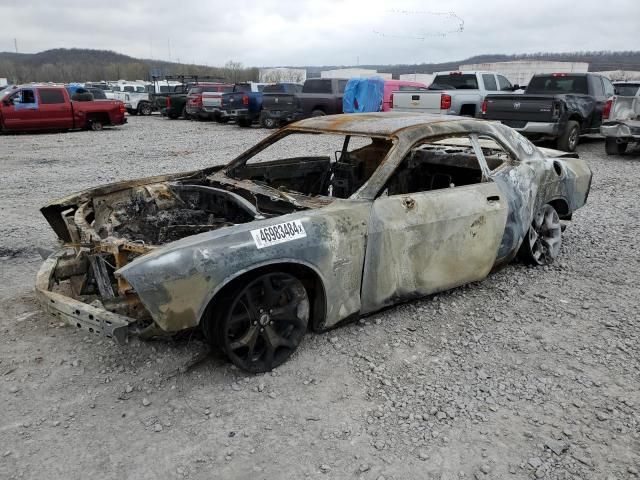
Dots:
pixel 377 123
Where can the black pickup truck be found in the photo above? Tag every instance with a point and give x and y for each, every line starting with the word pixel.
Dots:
pixel 319 96
pixel 558 106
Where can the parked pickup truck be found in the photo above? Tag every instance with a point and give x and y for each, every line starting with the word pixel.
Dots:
pixel 453 93
pixel 558 106
pixel 621 119
pixel 48 107
pixel 246 107
pixel 195 107
pixel 135 97
pixel 319 96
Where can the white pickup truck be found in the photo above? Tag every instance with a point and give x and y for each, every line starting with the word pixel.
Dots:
pixel 453 93
pixel 135 96
pixel 621 118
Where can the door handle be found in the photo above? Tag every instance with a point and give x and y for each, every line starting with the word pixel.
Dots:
pixel 493 198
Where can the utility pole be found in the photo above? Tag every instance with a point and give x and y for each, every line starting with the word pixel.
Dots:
pixel 15 44
pixel 169 47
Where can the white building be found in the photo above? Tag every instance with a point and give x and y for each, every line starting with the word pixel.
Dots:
pixel 354 73
pixel 282 75
pixel 426 78
pixel 621 75
pixel 521 71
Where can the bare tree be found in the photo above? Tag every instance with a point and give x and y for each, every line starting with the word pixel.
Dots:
pixel 232 70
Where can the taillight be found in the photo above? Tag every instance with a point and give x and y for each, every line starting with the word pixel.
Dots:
pixel 484 107
pixel 445 101
pixel 245 100
pixel 121 108
pixel 168 102
pixel 555 110
pixel 607 109
pixel 198 100
pixel 391 100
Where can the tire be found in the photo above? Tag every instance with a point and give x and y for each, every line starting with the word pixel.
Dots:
pixel 263 322
pixel 244 122
pixel 568 141
pixel 317 113
pixel 185 115
pixel 268 121
pixel 541 244
pixel 612 147
pixel 144 109
pixel 95 125
pixel 172 116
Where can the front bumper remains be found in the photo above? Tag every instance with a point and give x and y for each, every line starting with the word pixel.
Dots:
pixel 74 312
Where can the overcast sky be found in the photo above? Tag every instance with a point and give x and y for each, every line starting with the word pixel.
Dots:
pixel 320 32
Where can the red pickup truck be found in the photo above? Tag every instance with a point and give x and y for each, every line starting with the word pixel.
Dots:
pixel 48 107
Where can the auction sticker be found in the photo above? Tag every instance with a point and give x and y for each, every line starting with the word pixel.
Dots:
pixel 280 233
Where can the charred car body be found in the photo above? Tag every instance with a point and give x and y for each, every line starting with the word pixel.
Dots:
pixel 260 250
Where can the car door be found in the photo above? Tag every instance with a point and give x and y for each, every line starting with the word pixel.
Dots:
pixel 22 112
pixel 55 109
pixel 422 242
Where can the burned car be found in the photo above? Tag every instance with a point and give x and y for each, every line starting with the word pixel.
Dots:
pixel 327 219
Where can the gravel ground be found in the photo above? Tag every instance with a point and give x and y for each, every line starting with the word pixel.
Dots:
pixel 532 373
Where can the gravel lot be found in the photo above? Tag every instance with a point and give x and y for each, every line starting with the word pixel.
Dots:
pixel 533 373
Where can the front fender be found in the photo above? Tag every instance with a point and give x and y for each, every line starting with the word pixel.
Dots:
pixel 176 282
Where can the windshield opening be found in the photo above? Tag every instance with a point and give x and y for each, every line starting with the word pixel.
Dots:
pixel 315 164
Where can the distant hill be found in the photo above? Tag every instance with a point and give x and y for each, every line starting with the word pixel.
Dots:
pixel 75 64
pixel 598 62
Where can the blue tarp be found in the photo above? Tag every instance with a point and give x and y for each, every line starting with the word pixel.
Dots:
pixel 363 95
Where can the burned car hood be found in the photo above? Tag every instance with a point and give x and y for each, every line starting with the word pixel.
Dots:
pixel 54 211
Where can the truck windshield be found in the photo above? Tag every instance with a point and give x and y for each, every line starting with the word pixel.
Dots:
pixel 558 84
pixel 627 89
pixel 455 81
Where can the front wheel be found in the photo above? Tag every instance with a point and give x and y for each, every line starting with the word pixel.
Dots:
pixel 541 245
pixel 612 147
pixel 568 141
pixel 264 322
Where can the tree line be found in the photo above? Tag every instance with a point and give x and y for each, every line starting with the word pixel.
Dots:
pixel 80 65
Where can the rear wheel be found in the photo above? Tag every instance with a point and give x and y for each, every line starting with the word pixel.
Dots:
pixel 144 108
pixel 542 242
pixel 568 141
pixel 96 125
pixel 612 147
pixel 264 322
pixel 268 122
